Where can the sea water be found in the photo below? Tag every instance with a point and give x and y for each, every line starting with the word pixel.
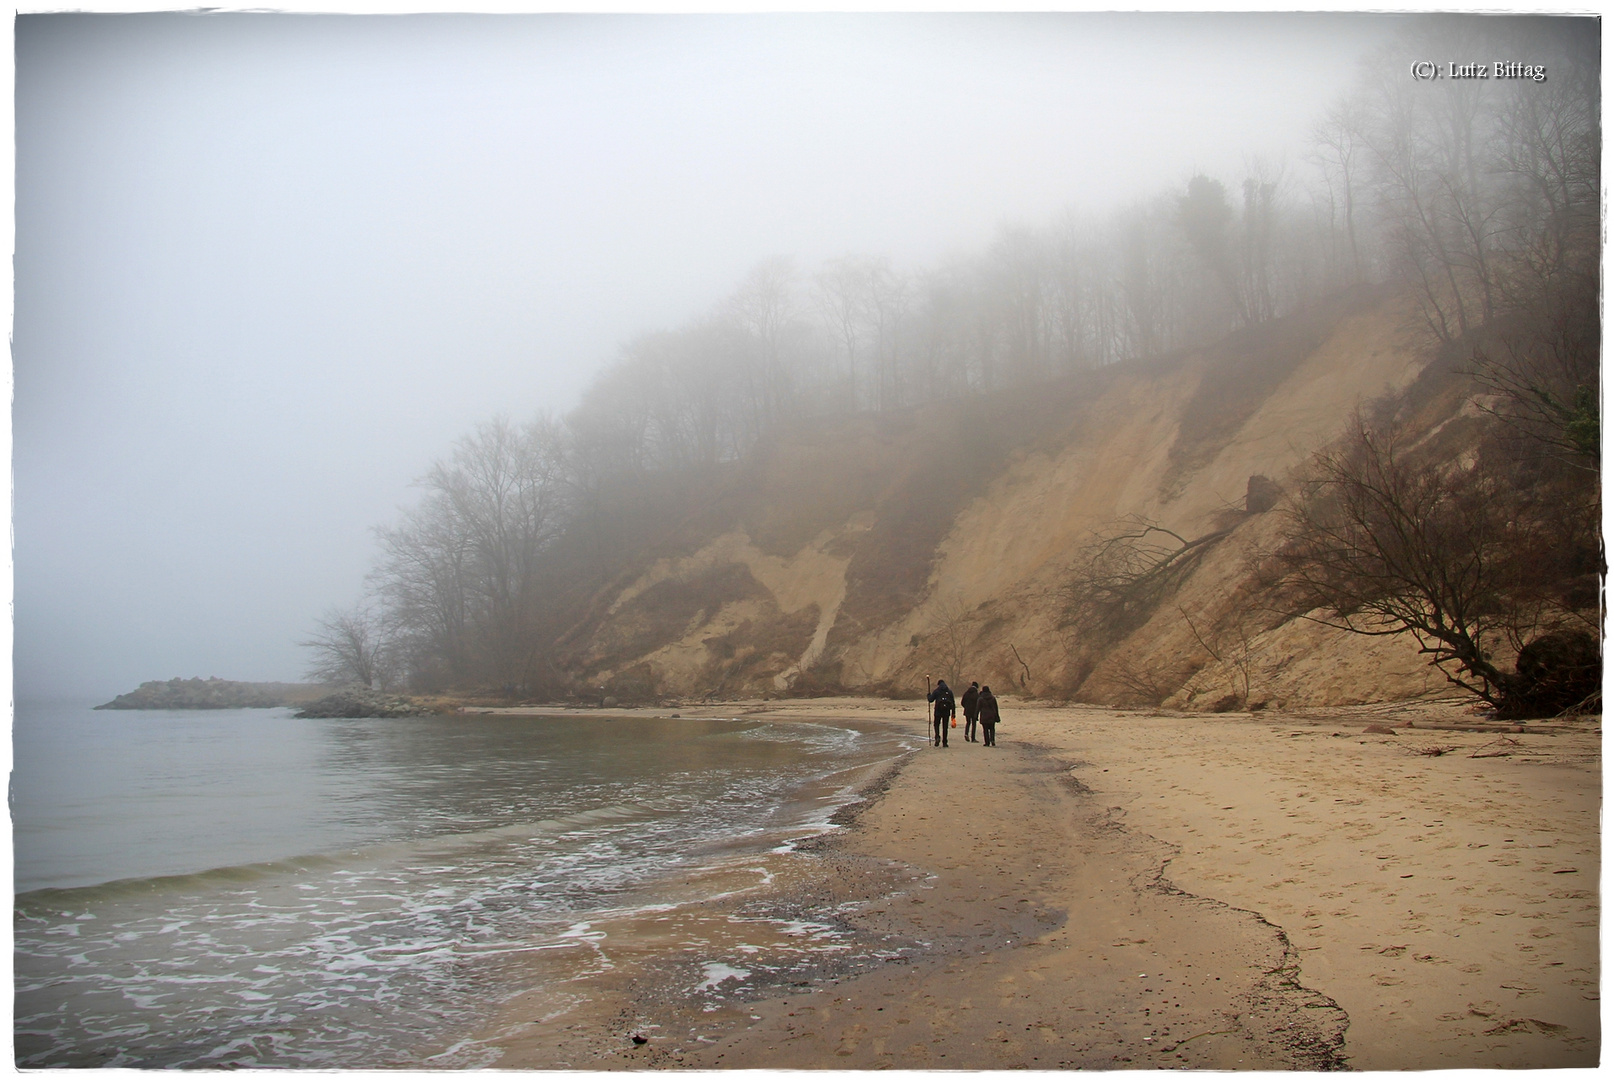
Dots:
pixel 244 888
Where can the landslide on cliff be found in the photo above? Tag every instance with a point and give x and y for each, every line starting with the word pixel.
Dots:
pixel 864 552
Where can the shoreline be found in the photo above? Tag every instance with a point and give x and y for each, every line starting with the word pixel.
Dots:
pixel 1130 890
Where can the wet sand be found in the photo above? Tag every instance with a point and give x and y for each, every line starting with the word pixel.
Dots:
pixel 1117 889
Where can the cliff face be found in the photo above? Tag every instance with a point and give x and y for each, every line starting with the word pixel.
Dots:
pixel 865 555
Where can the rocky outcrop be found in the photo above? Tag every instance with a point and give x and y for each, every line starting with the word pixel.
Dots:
pixel 1261 494
pixel 214 693
pixel 355 703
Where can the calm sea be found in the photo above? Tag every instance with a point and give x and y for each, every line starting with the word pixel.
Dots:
pixel 243 888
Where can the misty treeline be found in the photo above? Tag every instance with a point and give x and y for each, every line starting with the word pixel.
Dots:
pixel 1482 196
pixel 1474 192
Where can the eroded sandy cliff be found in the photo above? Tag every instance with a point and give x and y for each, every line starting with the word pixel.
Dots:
pixel 865 555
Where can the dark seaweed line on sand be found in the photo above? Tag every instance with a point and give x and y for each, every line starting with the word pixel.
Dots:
pixel 1307 1023
pixel 870 793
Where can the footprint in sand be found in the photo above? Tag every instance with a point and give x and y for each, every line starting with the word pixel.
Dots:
pixel 850 1039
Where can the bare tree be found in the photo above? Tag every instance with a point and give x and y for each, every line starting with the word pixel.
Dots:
pixel 349 647
pixel 1230 643
pixel 1390 538
pixel 1259 241
pixel 1206 219
pixel 762 307
pixel 840 293
pixel 1413 186
pixel 1337 147
pixel 422 577
pixel 888 297
pixel 949 635
pixel 1018 281
pixel 1133 682
pixel 1140 291
pixel 463 575
pixel 1549 145
pixel 1386 546
pixel 1067 288
pixel 1544 370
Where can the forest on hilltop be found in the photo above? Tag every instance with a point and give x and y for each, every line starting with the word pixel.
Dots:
pixel 845 420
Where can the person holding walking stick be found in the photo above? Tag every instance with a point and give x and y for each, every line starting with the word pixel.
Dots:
pixel 943 699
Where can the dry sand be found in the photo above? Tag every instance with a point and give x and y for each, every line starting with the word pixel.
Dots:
pixel 1125 889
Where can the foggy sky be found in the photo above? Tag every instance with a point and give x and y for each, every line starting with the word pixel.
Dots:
pixel 269 267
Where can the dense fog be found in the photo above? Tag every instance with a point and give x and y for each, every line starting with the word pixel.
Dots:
pixel 270 268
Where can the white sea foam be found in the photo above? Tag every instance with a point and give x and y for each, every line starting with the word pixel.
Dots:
pixel 717 974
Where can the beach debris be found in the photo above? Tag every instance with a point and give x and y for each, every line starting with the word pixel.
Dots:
pixel 1433 751
pixel 1506 746
pixel 638 1040
pixel 1526 1024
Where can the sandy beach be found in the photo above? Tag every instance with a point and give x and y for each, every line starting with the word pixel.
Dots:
pixel 1128 889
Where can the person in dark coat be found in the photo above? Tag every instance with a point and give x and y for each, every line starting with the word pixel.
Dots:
pixel 988 706
pixel 971 710
pixel 943 697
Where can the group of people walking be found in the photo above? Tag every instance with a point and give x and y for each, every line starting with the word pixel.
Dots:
pixel 980 708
